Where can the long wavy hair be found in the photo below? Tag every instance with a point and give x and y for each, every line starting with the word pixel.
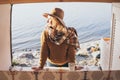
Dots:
pixel 56 29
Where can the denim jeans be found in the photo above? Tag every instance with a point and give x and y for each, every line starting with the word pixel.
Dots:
pixel 53 65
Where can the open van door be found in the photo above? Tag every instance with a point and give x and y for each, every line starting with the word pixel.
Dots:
pixel 115 44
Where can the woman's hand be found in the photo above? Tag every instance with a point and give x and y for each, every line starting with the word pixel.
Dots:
pixel 78 67
pixel 36 68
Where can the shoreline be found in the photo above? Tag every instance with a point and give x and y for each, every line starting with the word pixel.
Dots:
pixel 88 43
pixel 30 57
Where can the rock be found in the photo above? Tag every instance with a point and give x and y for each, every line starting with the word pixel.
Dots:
pixel 27 55
pixel 23 65
pixel 98 56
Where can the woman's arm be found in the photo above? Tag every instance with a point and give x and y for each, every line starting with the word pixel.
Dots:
pixel 71 54
pixel 44 51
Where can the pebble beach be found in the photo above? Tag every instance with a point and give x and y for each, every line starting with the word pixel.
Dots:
pixel 85 56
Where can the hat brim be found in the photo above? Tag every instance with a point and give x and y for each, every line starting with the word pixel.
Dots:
pixel 46 16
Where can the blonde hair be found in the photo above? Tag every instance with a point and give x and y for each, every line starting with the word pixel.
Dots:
pixel 58 25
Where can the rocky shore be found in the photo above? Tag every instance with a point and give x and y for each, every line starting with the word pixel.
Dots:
pixel 89 54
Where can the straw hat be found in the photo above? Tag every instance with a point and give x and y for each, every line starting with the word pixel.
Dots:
pixel 57 13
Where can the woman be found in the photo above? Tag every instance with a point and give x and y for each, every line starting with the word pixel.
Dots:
pixel 58 43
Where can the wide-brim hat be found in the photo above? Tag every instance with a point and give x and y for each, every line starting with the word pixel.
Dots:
pixel 57 13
